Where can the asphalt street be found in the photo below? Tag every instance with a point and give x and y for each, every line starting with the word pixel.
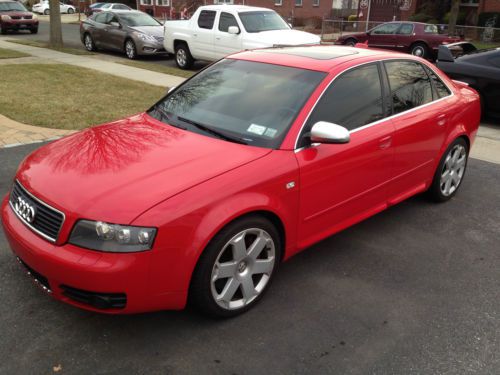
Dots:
pixel 71 38
pixel 413 290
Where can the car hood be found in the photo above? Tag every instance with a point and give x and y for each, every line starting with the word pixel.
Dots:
pixel 117 171
pixel 149 30
pixel 284 37
pixel 17 13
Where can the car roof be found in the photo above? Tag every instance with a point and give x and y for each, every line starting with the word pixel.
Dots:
pixel 319 57
pixel 8 1
pixel 237 8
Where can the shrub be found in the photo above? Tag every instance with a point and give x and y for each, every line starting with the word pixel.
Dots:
pixel 420 17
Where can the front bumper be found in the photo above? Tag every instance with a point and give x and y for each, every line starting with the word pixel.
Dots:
pixel 86 278
pixel 20 24
pixel 149 47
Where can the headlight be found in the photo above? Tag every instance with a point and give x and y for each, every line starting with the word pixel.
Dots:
pixel 35 17
pixel 97 235
pixel 5 17
pixel 146 37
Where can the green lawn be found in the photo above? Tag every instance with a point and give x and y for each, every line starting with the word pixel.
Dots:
pixel 68 97
pixel 482 45
pixel 10 54
pixel 34 43
pixel 158 68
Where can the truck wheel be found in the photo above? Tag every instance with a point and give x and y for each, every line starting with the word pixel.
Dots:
pixel 419 49
pixel 183 57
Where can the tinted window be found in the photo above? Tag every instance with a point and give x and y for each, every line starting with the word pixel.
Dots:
pixel 410 85
pixel 255 102
pixel 226 20
pixel 387 28
pixel 354 99
pixel 440 88
pixel 406 29
pixel 206 19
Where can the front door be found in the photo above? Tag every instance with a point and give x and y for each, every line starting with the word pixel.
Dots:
pixel 384 36
pixel 225 43
pixel 341 184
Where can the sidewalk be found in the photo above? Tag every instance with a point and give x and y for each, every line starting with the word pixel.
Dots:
pixel 89 62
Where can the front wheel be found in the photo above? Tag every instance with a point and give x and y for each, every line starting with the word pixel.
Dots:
pixel 236 268
pixel 130 49
pixel 450 171
pixel 183 57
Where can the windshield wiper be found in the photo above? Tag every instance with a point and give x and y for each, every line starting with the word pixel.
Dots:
pixel 166 115
pixel 208 129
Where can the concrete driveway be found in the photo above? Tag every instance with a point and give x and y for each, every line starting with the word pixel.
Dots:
pixel 413 290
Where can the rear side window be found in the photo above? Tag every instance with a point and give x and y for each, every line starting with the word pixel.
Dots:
pixel 410 85
pixel 406 29
pixel 226 20
pixel 206 19
pixel 354 99
pixel 431 29
pixel 439 87
pixel 388 28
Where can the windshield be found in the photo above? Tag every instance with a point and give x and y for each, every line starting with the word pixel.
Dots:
pixel 138 19
pixel 252 102
pixel 255 22
pixel 12 7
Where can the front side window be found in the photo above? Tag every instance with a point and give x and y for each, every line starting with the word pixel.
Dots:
pixel 353 99
pixel 410 85
pixel 255 22
pixel 226 20
pixel 254 103
pixel 102 17
pixel 387 28
pixel 206 19
pixel 406 29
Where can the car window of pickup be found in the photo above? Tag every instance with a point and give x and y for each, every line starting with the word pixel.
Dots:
pixel 226 20
pixel 206 19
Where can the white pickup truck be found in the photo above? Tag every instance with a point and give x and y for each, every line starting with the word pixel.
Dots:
pixel 216 31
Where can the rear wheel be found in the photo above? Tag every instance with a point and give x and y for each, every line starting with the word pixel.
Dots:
pixel 236 268
pixel 350 42
pixel 420 50
pixel 71 11
pixel 450 172
pixel 183 57
pixel 46 12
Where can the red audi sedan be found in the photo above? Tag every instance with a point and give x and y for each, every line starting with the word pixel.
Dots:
pixel 250 161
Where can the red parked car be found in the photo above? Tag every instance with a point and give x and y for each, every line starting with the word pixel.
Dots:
pixel 245 164
pixel 419 39
pixel 14 17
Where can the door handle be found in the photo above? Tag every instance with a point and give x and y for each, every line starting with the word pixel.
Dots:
pixel 195 34
pixel 441 120
pixel 385 142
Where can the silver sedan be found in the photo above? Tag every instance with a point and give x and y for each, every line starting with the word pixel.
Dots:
pixel 133 32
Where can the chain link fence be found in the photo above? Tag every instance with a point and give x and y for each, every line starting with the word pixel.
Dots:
pixel 332 29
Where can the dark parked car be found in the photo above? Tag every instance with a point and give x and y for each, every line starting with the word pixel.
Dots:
pixel 479 68
pixel 417 38
pixel 14 16
pixel 133 32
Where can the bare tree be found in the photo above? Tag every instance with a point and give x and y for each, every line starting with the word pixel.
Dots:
pixel 455 7
pixel 56 39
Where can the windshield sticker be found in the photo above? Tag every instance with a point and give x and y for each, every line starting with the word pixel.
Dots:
pixel 256 129
pixel 270 132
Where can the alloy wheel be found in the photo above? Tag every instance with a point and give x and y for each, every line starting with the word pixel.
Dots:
pixel 243 268
pixel 453 170
pixel 418 51
pixel 89 44
pixel 130 49
pixel 181 57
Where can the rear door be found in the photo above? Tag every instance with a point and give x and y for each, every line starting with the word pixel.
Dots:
pixel 225 43
pixel 97 32
pixel 203 36
pixel 420 120
pixel 341 184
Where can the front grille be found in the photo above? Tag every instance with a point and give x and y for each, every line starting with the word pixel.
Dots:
pixel 28 17
pixel 16 17
pixel 47 221
pixel 37 277
pixel 95 299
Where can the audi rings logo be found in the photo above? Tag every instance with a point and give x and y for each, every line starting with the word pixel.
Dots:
pixel 26 210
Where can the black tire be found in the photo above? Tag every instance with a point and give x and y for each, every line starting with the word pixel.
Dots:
pixel 71 11
pixel 88 42
pixel 34 31
pixel 350 42
pixel 420 50
pixel 130 49
pixel 183 57
pixel 201 294
pixel 435 191
pixel 46 12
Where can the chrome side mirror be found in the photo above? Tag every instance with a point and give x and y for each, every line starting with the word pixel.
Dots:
pixel 235 30
pixel 328 132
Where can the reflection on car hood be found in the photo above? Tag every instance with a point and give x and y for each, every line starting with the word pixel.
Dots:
pixel 284 37
pixel 117 171
pixel 156 31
